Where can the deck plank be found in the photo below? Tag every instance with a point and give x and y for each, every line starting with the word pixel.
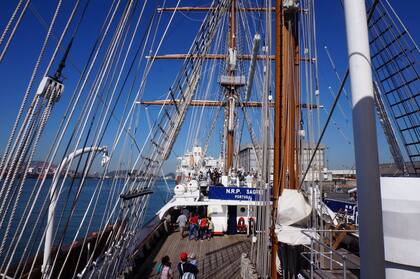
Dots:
pixel 218 257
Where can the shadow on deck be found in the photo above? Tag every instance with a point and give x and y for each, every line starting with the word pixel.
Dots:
pixel 218 257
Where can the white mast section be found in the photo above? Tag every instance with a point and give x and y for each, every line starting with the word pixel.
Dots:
pixel 250 80
pixel 372 258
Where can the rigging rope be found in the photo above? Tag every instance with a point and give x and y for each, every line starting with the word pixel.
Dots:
pixel 6 30
pixel 370 13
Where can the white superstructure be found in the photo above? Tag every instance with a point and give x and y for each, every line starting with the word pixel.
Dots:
pixel 200 183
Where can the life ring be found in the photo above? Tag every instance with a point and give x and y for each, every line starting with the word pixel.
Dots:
pixel 241 226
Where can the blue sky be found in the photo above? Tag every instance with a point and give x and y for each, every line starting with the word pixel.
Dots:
pixel 16 68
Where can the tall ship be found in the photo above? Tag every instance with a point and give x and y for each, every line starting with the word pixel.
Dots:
pixel 230 98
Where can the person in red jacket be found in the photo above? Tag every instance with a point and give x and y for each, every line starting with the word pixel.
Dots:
pixel 193 226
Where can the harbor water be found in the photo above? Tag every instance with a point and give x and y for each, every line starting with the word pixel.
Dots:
pixel 79 212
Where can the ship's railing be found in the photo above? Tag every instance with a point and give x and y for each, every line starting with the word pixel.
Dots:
pixel 321 249
pixel 152 231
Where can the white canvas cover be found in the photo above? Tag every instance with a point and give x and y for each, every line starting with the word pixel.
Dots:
pixel 292 208
pixel 293 235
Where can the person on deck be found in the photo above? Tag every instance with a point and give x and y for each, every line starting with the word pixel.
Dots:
pixel 193 226
pixel 203 228
pixel 210 228
pixel 182 222
pixel 186 269
pixel 217 176
pixel 192 259
pixel 249 180
pixel 167 222
pixel 186 212
pixel 209 175
pixel 166 269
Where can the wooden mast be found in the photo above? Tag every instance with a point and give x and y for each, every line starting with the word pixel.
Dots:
pixel 291 104
pixel 286 112
pixel 277 131
pixel 230 96
pixel 298 107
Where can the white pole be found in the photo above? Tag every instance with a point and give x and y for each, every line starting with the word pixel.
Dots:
pixel 54 197
pixel 250 80
pixel 371 243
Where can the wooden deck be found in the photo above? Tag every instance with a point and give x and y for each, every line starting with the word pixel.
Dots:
pixel 218 257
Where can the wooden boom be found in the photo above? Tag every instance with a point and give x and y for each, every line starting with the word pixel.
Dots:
pixel 208 56
pixel 199 103
pixel 210 103
pixel 205 9
pixel 216 56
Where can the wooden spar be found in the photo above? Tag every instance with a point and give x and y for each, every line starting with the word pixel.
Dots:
pixel 231 94
pixel 232 25
pixel 205 9
pixel 292 107
pixel 284 105
pixel 277 133
pixel 294 101
pixel 298 104
pixel 202 103
pixel 207 56
pixel 215 56
pixel 211 103
pixel 293 90
pixel 290 102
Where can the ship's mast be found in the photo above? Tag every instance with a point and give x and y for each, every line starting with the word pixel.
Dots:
pixel 289 97
pixel 231 92
pixel 231 81
pixel 286 110
pixel 277 131
pixel 371 242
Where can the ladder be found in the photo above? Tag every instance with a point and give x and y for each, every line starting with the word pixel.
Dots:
pixel 166 128
pixel 388 130
pixel 395 63
pixel 161 138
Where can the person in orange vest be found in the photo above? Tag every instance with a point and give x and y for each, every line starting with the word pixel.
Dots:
pixel 203 228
